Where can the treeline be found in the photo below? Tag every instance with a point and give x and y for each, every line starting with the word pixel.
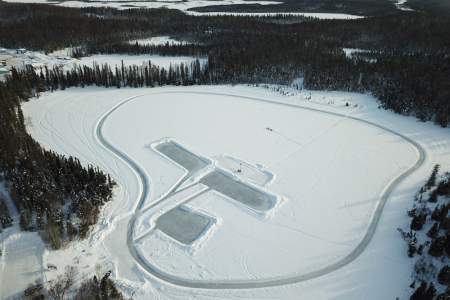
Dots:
pixel 136 49
pixel 428 239
pixel 54 194
pixel 409 84
pixel 148 75
pixel 65 287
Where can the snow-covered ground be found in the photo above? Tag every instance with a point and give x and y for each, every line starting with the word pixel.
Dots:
pixel 22 264
pixel 329 169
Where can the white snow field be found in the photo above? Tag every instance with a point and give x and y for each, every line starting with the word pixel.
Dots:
pixel 326 237
pixel 159 41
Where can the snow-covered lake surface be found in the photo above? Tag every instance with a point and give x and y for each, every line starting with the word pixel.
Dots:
pixel 329 170
pixel 212 125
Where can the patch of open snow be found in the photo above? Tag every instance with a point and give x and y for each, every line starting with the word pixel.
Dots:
pixel 65 122
pixel 158 41
pixel 21 261
pixel 21 255
pixel 350 54
pixel 350 51
pixel 401 5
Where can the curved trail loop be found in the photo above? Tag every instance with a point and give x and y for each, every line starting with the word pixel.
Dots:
pixel 263 282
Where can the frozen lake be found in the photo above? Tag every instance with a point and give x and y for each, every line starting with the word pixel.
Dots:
pixel 321 165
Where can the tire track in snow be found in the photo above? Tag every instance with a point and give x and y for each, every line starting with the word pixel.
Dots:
pixel 262 282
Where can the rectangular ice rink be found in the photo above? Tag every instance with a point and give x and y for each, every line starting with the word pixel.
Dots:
pixel 245 194
pixel 182 156
pixel 183 224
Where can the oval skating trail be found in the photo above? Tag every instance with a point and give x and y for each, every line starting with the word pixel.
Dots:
pixel 263 282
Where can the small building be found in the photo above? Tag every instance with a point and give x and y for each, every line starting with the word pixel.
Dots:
pixel 21 51
pixel 2 62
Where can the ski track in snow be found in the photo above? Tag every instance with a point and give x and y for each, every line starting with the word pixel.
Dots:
pixel 308 142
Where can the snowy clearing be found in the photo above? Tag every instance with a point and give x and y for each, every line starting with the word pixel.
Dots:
pixel 349 52
pixel 320 164
pixel 158 41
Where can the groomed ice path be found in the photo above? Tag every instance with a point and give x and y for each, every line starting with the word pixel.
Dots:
pixel 263 282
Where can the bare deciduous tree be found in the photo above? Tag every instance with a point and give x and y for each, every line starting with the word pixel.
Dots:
pixel 59 288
